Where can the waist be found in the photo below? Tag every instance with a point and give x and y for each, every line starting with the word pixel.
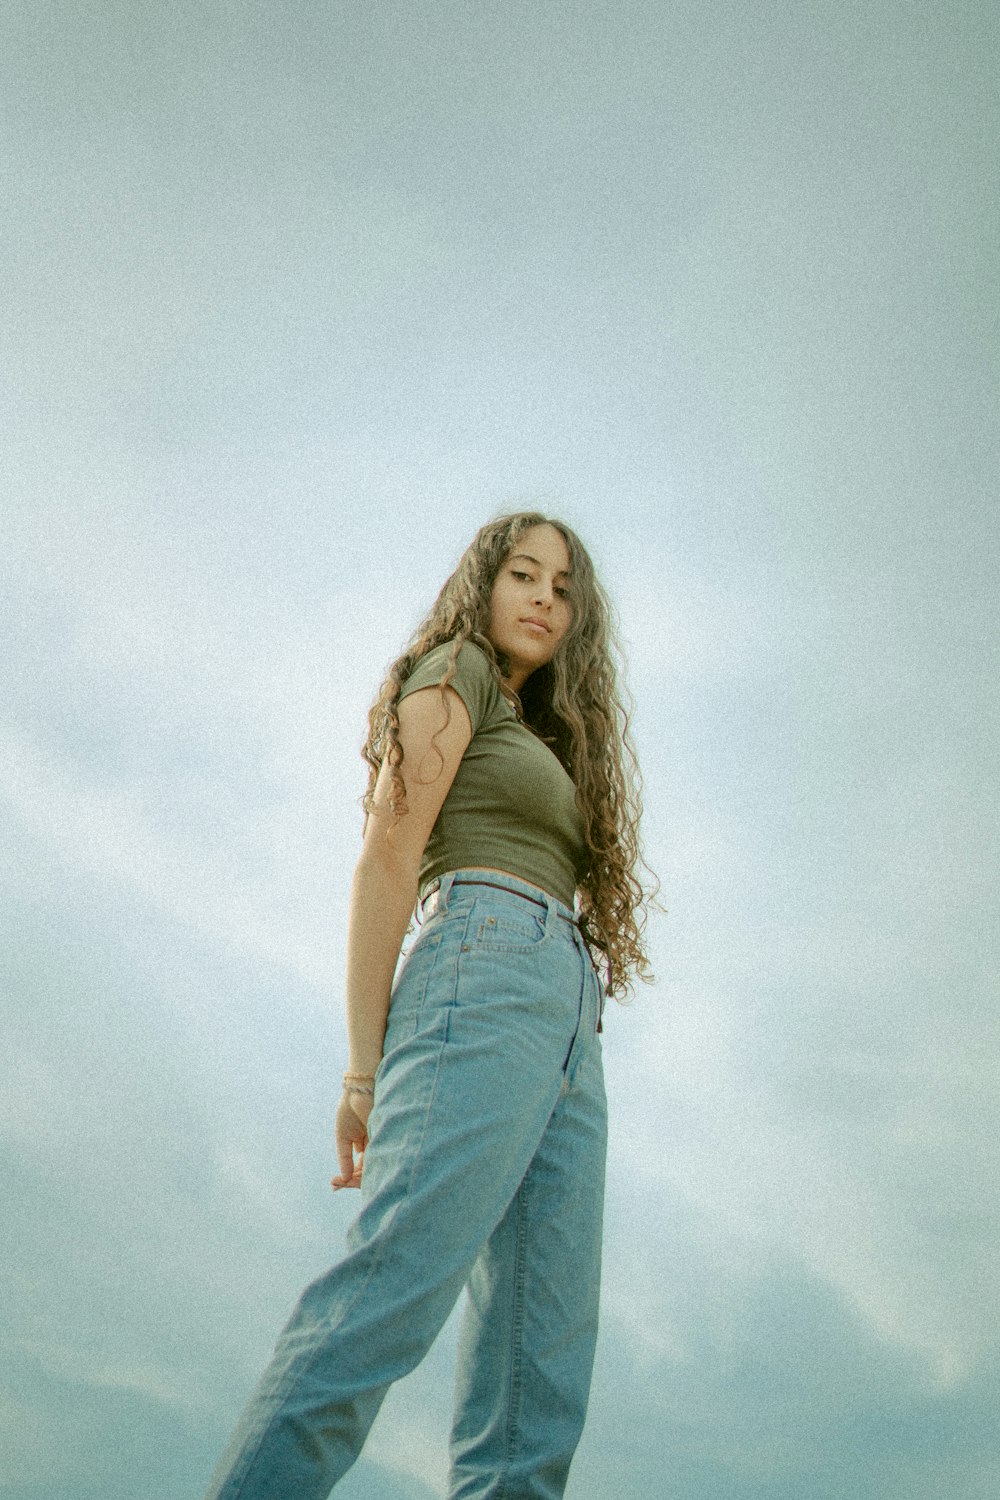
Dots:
pixel 437 891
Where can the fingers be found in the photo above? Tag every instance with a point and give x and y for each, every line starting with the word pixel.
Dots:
pixel 351 1139
pixel 352 1179
pixel 350 1169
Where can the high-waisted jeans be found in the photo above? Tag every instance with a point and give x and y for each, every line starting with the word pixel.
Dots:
pixel 485 1169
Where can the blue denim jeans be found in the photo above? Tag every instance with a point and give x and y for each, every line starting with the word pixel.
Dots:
pixel 485 1169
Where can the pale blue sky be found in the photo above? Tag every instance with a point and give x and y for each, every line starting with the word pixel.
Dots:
pixel 294 300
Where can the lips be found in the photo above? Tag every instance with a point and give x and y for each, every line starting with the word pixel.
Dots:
pixel 540 623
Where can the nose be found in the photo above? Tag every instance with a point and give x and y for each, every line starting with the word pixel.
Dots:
pixel 543 593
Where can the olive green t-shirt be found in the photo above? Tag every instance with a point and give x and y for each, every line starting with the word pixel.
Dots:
pixel 511 806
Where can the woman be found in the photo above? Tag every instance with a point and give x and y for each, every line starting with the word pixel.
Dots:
pixel 502 794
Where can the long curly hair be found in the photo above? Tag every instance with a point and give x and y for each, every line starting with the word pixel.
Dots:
pixel 573 703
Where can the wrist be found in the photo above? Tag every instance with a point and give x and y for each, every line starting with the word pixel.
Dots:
pixel 359 1083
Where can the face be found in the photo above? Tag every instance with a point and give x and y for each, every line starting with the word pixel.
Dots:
pixel 530 609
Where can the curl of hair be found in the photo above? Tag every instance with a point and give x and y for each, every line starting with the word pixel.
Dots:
pixel 574 704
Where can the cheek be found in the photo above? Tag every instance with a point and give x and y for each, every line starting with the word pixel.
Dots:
pixel 565 621
pixel 498 611
pixel 504 604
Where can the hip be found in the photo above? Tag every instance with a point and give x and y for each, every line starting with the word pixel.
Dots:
pixel 491 940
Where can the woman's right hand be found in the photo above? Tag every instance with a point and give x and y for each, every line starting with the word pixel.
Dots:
pixel 351 1135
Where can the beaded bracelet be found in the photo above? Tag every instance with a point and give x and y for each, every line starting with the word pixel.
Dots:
pixel 360 1083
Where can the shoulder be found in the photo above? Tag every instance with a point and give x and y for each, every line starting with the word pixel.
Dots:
pixel 471 663
pixel 471 677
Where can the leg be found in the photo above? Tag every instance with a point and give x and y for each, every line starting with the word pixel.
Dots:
pixel 449 1144
pixel 529 1332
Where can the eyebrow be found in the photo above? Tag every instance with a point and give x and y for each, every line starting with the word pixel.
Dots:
pixel 527 557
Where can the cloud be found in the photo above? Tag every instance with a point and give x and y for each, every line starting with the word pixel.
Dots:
pixel 780 1150
pixel 276 349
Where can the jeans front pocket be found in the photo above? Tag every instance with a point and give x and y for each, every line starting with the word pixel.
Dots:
pixel 505 926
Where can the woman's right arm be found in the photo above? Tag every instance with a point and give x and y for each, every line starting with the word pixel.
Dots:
pixel 384 893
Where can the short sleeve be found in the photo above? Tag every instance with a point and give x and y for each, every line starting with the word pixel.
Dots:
pixel 472 679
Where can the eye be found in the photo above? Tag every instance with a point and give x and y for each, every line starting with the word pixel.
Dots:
pixel 563 593
pixel 525 577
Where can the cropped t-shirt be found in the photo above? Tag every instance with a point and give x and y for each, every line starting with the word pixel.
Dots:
pixel 512 806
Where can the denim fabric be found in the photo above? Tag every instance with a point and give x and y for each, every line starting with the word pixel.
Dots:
pixel 485 1167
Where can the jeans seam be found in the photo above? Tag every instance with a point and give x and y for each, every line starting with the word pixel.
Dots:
pixel 516 1338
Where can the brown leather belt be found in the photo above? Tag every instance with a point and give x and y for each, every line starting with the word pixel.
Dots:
pixel 429 903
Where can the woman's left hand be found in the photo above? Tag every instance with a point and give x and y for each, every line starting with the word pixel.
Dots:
pixel 351 1135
